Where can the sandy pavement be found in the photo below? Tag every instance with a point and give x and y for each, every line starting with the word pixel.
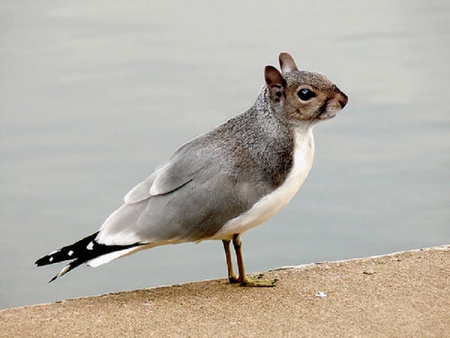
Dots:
pixel 404 294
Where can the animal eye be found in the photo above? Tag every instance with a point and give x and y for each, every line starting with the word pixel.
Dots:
pixel 305 94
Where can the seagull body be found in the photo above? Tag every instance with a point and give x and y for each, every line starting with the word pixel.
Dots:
pixel 224 182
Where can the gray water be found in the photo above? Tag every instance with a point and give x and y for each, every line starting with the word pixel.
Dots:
pixel 96 94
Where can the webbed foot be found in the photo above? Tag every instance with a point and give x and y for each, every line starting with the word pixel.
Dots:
pixel 256 282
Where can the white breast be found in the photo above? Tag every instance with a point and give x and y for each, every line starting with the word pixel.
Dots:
pixel 270 204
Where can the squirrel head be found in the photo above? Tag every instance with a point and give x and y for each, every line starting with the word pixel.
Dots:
pixel 302 95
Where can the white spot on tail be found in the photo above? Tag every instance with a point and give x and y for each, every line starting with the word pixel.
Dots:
pixel 90 246
pixel 50 259
pixel 70 253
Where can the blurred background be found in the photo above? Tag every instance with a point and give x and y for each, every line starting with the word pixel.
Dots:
pixel 95 95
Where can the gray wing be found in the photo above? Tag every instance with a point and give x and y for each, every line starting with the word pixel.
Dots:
pixel 189 199
pixel 179 170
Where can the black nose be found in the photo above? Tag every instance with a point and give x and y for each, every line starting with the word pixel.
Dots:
pixel 343 100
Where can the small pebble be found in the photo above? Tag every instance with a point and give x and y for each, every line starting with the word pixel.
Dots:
pixel 321 294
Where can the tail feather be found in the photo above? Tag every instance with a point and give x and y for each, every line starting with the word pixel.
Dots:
pixel 66 269
pixel 68 252
pixel 81 252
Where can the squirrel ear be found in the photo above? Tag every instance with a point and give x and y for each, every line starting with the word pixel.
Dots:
pixel 275 83
pixel 287 63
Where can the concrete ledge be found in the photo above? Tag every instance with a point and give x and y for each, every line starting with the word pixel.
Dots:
pixel 405 294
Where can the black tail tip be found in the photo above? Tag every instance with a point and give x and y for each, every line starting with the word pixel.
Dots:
pixel 47 259
pixel 65 270
pixel 41 261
